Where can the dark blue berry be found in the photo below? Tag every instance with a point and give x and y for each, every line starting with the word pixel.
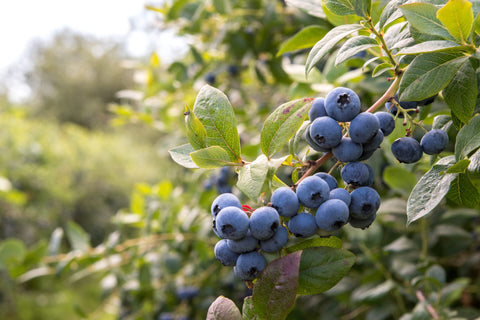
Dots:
pixel 223 253
pixel 363 127
pixel 341 194
pixel 362 223
pixel 285 201
pixel 342 104
pixel 264 222
pixel 387 122
pixel 317 110
pixel 224 200
pixel 374 143
pixel 329 179
pixel 302 225
pixel 347 150
pixel 326 132
pixel 332 215
pixel 312 191
pixel 277 242
pixel 249 265
pixel 243 245
pixel 434 141
pixel 365 203
pixel 232 223
pixel 355 174
pixel 312 143
pixel 407 150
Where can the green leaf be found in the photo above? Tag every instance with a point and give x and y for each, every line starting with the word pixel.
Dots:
pixel 77 237
pixel 381 69
pixel 459 167
pixel 476 25
pixel 474 166
pixel 216 114
pixel 391 12
pixel 330 40
pixel 321 268
pixel 306 38
pixel 297 244
pixel 211 157
pixel 363 7
pixel 430 46
pixel 12 252
pixel 275 291
pixel 181 155
pixel 340 7
pixel 429 73
pixel 457 16
pixel 222 6
pixel 372 291
pixel 423 16
pixel 282 124
pixel 297 140
pixel 251 177
pixel 468 139
pixel 223 309
pixel 461 93
pixel 430 190
pixel 312 7
pixel 55 241
pixel 196 132
pixel 353 46
pixel 248 311
pixel 399 179
pixel 463 192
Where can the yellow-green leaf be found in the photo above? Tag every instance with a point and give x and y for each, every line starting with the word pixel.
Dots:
pixel 457 17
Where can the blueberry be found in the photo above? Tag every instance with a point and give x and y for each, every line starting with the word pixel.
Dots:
pixel 232 223
pixel 434 141
pixel 312 143
pixel 223 253
pixel 264 222
pixel 233 70
pixel 326 132
pixel 312 191
pixel 303 225
pixel 277 242
pixel 363 127
pixel 210 78
pixel 317 110
pixel 187 293
pixel 362 223
pixel 224 200
pixel 214 227
pixel 249 265
pixel 374 143
pixel 285 201
pixel 347 150
pixel 355 174
pixel 342 104
pixel 387 122
pixel 407 150
pixel 332 215
pixel 427 101
pixel 365 203
pixel 366 155
pixel 246 244
pixel 341 194
pixel 329 179
pixel 166 316
pixel 371 176
pixel 404 104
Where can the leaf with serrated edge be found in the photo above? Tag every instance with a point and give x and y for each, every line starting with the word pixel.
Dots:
pixel 430 46
pixel 275 291
pixel 457 17
pixel 211 157
pixel 461 93
pixel 430 190
pixel 181 155
pixel 321 268
pixel 423 16
pixel 468 139
pixel 463 192
pixel 353 46
pixel 282 124
pixel 305 38
pixel 223 309
pixel 323 46
pixel 429 73
pixel 216 114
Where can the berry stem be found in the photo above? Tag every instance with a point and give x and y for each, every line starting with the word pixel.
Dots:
pixel 315 166
pixel 389 94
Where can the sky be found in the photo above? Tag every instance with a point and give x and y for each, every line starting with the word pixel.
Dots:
pixel 22 21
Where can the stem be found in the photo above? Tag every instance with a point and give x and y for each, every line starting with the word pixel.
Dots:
pixel 317 164
pixel 383 44
pixel 429 307
pixel 390 93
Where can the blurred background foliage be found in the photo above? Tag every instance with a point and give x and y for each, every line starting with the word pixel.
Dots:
pixel 97 222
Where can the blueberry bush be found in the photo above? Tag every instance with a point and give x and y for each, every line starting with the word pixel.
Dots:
pixel 338 145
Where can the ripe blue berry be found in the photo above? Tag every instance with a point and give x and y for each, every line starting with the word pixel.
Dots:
pixel 285 201
pixel 312 143
pixel 374 143
pixel 187 293
pixel 223 253
pixel 404 104
pixel 347 150
pixel 362 223
pixel 434 141
pixel 317 110
pixel 277 242
pixel 246 244
pixel 249 265
pixel 355 174
pixel 264 222
pixel 303 225
pixel 342 104
pixel 224 200
pixel 365 203
pixel 332 215
pixel 427 101
pixel 407 150
pixel 387 122
pixel 312 191
pixel 232 223
pixel 341 194
pixel 363 127
pixel 329 179
pixel 326 132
